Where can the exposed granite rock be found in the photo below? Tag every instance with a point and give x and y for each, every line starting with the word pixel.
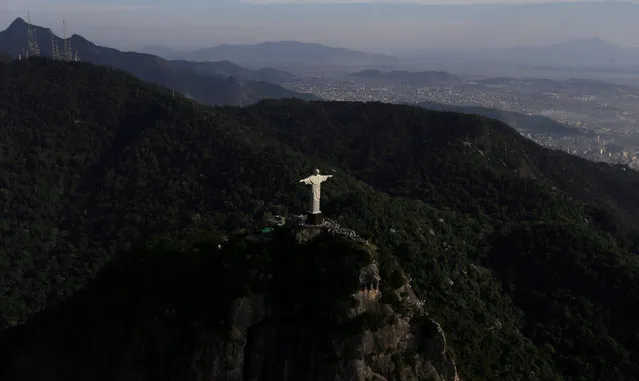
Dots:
pixel 405 349
pixel 262 339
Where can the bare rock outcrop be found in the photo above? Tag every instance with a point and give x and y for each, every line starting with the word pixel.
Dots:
pixel 303 326
pixel 376 338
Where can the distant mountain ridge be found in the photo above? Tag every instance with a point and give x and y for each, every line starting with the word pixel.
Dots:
pixel 228 68
pixel 206 86
pixel 160 51
pixel 277 53
pixel 523 123
pixel 590 52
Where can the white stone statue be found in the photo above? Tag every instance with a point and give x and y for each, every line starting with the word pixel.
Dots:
pixel 315 180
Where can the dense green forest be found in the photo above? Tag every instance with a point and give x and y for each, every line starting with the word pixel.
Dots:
pixel 536 124
pixel 527 257
pixel 462 162
pixel 189 275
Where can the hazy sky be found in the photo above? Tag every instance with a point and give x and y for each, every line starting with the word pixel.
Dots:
pixel 377 25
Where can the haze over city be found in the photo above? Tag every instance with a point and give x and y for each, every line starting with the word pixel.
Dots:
pixel 397 27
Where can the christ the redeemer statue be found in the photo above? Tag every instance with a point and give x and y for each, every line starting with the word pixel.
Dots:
pixel 315 180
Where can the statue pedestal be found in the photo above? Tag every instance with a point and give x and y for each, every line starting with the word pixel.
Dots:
pixel 314 218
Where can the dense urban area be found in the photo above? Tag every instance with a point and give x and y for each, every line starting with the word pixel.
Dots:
pixel 607 114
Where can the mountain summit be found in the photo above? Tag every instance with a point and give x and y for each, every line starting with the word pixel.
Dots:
pixel 17 23
pixel 289 53
pixel 262 308
pixel 206 86
pixel 581 52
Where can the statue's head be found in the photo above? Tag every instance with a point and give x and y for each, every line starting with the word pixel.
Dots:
pixel 317 171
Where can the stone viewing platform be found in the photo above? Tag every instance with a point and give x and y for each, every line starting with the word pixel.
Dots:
pixel 336 229
pixel 307 231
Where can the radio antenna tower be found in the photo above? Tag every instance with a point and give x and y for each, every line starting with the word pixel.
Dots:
pixel 54 46
pixel 32 40
pixel 67 54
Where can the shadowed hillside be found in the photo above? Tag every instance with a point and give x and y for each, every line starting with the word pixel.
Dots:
pixel 534 124
pixel 185 307
pixel 229 69
pixel 525 256
pixel 472 163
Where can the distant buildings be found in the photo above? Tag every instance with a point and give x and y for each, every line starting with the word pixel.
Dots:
pixel 615 121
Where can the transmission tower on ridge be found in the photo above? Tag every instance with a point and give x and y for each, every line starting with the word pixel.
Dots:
pixel 67 53
pixel 33 49
pixel 54 46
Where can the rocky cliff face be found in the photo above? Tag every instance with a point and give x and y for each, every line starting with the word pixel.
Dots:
pixel 371 333
pixel 256 349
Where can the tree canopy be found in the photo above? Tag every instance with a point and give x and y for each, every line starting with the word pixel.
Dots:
pixel 526 256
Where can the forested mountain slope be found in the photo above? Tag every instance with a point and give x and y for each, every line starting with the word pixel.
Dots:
pixel 527 257
pixel 229 69
pixel 534 124
pixel 465 162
